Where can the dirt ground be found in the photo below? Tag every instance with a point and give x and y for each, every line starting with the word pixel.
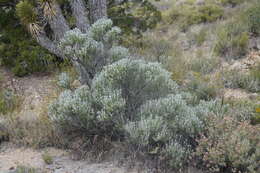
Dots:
pixel 11 157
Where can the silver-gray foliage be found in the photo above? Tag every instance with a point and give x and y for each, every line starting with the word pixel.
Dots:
pixel 64 80
pixel 169 126
pixel 137 80
pixel 85 13
pixel 115 95
pixel 92 50
pixel 73 109
pixel 124 96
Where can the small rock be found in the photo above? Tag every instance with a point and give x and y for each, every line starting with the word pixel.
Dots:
pixel 253 96
pixel 200 2
pixel 76 84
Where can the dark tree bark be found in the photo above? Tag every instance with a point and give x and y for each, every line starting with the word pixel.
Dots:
pixel 59 25
pixel 98 9
pixel 57 22
pixel 80 12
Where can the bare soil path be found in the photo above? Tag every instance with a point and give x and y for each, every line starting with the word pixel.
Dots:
pixel 11 157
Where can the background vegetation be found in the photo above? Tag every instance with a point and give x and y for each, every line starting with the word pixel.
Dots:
pixel 175 88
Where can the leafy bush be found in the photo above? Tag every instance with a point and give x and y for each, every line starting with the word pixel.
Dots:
pixel 253 19
pixel 202 87
pixel 204 65
pixel 138 101
pixel 47 158
pixel 18 50
pixel 233 37
pixel 256 118
pixel 232 40
pixel 200 37
pixel 130 100
pixel 237 79
pixel 176 155
pixel 8 101
pixel 134 17
pixel 230 146
pixel 25 57
pixel 255 72
pixel 190 14
pixel 169 126
pixel 210 12
pixel 137 80
pixel 242 110
pixel 114 96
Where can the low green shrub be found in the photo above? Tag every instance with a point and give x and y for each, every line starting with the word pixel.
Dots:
pixel 25 169
pixel 23 55
pixel 255 72
pixel 229 146
pixel 158 49
pixel 113 98
pixel 256 119
pixel 210 12
pixel 204 65
pixel 169 126
pixel 8 101
pixel 134 101
pixel 32 59
pixel 190 14
pixel 232 40
pixel 200 37
pixel 47 158
pixel 242 110
pixel 253 19
pixel 18 50
pixel 233 37
pixel 202 87
pixel 237 79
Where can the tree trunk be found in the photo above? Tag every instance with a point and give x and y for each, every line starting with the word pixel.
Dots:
pixel 98 9
pixel 48 44
pixel 58 23
pixel 81 14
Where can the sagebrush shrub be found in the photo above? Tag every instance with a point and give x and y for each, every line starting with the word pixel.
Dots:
pixel 137 80
pixel 169 127
pixel 237 79
pixel 138 101
pixel 128 99
pixel 73 109
pixel 176 154
pixel 114 97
